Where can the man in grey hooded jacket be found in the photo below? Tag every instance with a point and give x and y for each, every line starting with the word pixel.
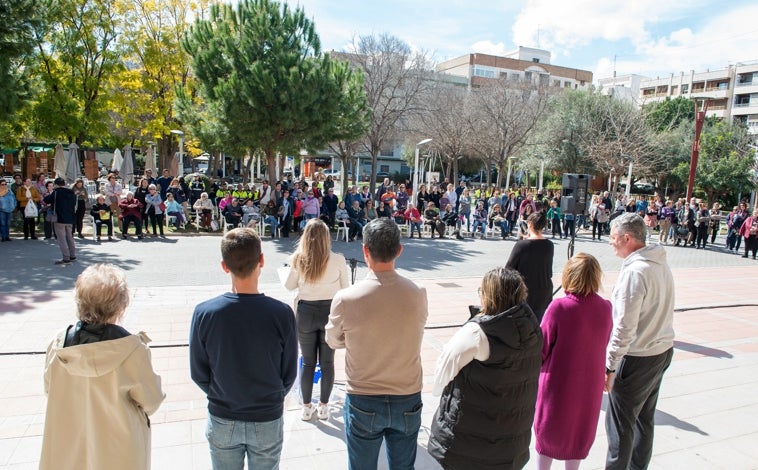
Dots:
pixel 641 346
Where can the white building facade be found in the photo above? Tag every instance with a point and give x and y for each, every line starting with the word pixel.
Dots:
pixel 731 93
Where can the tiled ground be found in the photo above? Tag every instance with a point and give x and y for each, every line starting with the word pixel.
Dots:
pixel 707 418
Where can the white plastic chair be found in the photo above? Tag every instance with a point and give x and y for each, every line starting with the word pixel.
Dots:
pixel 342 228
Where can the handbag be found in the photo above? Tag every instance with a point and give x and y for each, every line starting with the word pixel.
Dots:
pixel 31 211
pixel 162 206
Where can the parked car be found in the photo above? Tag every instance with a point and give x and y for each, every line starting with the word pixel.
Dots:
pixel 335 174
pixel 380 175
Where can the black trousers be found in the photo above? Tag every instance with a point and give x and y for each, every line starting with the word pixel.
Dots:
pixel 156 219
pixel 629 420
pixel 30 226
pixel 751 244
pixel 99 226
pixel 311 322
pixel 702 235
pixel 81 209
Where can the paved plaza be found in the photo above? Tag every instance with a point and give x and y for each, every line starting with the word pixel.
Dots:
pixel 707 415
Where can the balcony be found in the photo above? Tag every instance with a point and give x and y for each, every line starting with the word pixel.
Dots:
pixel 743 109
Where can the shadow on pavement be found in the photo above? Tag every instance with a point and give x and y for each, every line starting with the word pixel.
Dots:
pixel 664 419
pixel 702 350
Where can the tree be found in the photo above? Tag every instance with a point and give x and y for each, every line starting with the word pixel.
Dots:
pixel 143 93
pixel 262 64
pixel 669 114
pixel 20 19
pixel 446 121
pixel 394 80
pixel 508 113
pixel 350 122
pixel 726 165
pixel 557 138
pixel 615 133
pixel 74 57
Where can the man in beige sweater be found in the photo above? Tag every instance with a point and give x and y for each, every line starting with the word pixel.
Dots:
pixel 380 323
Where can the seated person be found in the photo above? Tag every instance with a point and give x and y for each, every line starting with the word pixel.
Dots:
pixel 131 211
pixel 233 213
pixel 371 213
pixel 432 218
pixel 413 216
pixel 497 219
pixel 480 219
pixel 204 209
pixel 270 215
pixel 343 217
pixel 101 212
pixel 357 215
pixel 174 209
pixel 383 210
pixel 250 213
pixel 450 217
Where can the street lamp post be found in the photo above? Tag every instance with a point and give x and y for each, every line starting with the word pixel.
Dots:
pixel 181 149
pixel 508 176
pixel 415 171
pixel 629 180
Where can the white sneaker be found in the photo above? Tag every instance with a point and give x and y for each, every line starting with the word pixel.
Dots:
pixel 322 411
pixel 307 412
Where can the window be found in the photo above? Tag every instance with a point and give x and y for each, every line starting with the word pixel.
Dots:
pixel 515 77
pixel 685 88
pixel 528 76
pixel 480 71
pixel 544 79
pixel 556 83
pixel 384 168
pixel 535 60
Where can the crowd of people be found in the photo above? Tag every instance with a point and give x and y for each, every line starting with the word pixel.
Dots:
pixel 439 210
pixel 523 361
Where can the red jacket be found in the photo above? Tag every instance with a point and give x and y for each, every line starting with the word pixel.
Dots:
pixel 132 207
pixel 745 229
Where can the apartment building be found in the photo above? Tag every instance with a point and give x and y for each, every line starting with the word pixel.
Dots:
pixel 523 64
pixel 731 93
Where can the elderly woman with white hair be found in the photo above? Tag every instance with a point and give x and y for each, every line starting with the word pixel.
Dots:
pixel 154 208
pixel 100 382
pixel 204 209
pixel 131 211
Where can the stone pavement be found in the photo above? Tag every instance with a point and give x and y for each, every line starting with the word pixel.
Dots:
pixel 707 415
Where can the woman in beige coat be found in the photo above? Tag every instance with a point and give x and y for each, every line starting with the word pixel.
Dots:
pixel 100 383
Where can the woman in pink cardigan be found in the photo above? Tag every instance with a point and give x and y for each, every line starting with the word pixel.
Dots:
pixel 576 330
pixel 749 230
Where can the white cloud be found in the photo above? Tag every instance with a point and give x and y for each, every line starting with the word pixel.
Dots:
pixel 488 47
pixel 725 39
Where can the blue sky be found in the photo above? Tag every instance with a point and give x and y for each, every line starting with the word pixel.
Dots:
pixel 648 37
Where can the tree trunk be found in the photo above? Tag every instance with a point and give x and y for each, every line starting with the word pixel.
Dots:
pixel 271 162
pixel 372 176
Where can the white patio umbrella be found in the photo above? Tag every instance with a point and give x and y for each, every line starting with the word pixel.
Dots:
pixel 72 163
pixel 118 160
pixel 175 165
pixel 150 160
pixel 60 161
pixel 127 167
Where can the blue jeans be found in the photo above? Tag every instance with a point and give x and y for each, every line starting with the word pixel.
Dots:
pixel 476 226
pixel 231 440
pixel 5 225
pixel 395 419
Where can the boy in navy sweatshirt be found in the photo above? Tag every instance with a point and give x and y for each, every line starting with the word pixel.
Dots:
pixel 243 355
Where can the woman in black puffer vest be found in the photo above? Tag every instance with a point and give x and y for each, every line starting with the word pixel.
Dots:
pixel 489 372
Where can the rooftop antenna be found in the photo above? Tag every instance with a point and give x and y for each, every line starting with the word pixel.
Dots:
pixel 538 35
